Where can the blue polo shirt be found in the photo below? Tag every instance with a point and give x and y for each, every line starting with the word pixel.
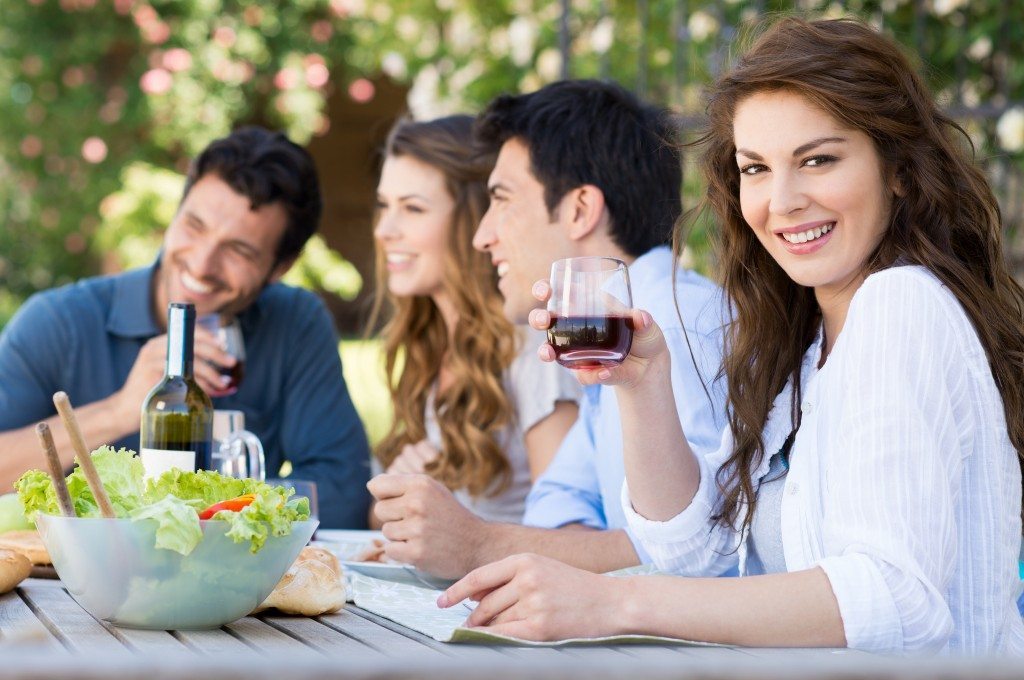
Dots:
pixel 84 338
pixel 583 484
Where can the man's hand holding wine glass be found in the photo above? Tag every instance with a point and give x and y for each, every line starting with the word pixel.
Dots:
pixel 149 369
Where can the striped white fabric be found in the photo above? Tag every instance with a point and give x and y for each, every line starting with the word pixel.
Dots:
pixel 903 485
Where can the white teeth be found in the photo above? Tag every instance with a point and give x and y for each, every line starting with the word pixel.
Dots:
pixel 398 258
pixel 503 268
pixel 194 285
pixel 810 234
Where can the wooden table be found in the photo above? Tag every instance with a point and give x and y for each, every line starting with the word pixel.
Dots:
pixel 44 633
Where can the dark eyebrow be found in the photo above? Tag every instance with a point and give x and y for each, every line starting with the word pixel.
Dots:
pixel 496 187
pixel 236 243
pixel 800 150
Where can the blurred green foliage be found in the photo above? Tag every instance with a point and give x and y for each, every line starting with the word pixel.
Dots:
pixel 105 101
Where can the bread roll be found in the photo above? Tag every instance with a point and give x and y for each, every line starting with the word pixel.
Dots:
pixel 14 568
pixel 28 543
pixel 312 585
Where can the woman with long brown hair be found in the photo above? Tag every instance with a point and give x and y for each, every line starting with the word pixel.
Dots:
pixel 869 483
pixel 474 408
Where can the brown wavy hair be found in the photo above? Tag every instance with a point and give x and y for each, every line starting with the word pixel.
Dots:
pixel 473 410
pixel 944 217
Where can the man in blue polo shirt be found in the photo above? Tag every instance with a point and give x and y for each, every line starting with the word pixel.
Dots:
pixel 251 201
pixel 583 169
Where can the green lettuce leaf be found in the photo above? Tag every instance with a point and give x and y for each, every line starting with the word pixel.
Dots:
pixel 173 500
pixel 177 524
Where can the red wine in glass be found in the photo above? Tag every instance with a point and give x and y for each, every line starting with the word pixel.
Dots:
pixel 591 341
pixel 590 307
pixel 234 373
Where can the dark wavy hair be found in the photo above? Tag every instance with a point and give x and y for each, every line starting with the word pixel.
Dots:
pixel 944 217
pixel 593 132
pixel 473 410
pixel 266 167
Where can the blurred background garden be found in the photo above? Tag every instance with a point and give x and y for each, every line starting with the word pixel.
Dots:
pixel 103 103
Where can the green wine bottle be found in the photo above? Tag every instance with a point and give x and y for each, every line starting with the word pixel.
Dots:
pixel 177 416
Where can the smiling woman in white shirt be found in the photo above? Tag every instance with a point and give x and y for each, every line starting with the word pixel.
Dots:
pixel 869 483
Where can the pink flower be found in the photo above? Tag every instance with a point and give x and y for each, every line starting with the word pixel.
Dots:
pixel 321 31
pixel 286 79
pixel 224 36
pixel 156 81
pixel 317 75
pixel 31 146
pixel 361 90
pixel 94 150
pixel 177 59
pixel 156 32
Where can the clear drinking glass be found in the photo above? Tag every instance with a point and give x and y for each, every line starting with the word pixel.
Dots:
pixel 236 451
pixel 229 332
pixel 590 305
pixel 304 488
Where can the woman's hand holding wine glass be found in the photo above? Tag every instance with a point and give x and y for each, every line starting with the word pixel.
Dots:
pixel 592 326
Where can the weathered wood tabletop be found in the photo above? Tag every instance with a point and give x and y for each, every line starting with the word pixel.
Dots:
pixel 44 633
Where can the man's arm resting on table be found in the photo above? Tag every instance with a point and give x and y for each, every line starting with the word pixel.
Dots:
pixel 102 422
pixel 595 550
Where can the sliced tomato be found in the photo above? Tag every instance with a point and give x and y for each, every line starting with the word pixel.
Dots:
pixel 233 504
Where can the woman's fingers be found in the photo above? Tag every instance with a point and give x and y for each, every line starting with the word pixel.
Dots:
pixel 540 319
pixel 477 583
pixel 542 290
pixel 493 604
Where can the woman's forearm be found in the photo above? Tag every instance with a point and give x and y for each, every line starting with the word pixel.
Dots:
pixel 661 469
pixel 796 609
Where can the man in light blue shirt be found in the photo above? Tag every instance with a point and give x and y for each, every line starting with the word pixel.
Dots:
pixel 583 484
pixel 583 169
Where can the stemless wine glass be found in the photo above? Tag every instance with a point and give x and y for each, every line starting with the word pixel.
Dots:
pixel 591 305
pixel 230 335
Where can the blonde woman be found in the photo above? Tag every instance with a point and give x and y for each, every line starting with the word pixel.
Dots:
pixel 474 407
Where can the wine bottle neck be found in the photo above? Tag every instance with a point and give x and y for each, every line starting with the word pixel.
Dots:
pixel 181 327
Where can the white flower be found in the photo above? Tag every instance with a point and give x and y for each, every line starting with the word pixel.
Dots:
pixel 381 12
pixel 942 8
pixel 465 76
pixel 498 42
pixel 1010 129
pixel 969 94
pixel 702 26
pixel 530 83
pixel 428 43
pixel 423 98
pixel 522 33
pixel 393 64
pixel 462 34
pixel 980 48
pixel 603 35
pixel 549 64
pixel 407 28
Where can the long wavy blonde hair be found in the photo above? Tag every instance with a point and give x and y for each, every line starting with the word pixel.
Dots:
pixel 474 408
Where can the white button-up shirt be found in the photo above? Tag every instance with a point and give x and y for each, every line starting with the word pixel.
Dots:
pixel 903 484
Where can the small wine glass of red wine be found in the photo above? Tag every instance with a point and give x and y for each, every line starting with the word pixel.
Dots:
pixel 591 307
pixel 229 332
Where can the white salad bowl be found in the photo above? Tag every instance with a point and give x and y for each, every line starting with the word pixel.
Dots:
pixel 113 569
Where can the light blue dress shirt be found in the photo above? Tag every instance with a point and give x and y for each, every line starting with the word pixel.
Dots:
pixel 584 482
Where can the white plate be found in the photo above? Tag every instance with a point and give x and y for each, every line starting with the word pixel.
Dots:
pixel 399 573
pixel 346 544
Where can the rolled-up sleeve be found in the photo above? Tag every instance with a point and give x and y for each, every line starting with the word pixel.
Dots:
pixel 689 544
pixel 569 491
